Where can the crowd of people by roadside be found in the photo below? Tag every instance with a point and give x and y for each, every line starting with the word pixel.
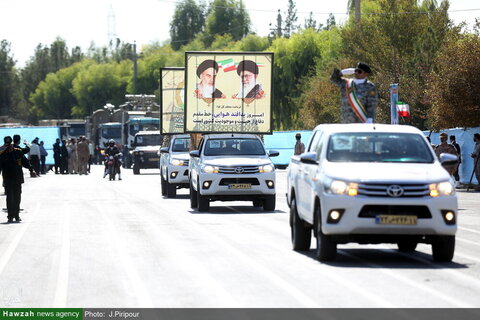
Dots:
pixel 73 156
pixel 454 148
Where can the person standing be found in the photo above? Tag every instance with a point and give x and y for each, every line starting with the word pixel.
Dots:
pixel 64 158
pixel 444 147
pixel 12 160
pixel 91 152
pixel 57 156
pixel 359 96
pixel 35 156
pixel 16 142
pixel 476 156
pixel 299 146
pixel 43 157
pixel 83 154
pixel 454 143
pixel 72 157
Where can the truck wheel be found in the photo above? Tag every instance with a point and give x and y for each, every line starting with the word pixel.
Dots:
pixel 326 247
pixel 443 248
pixel 136 170
pixel 163 184
pixel 269 203
pixel 301 235
pixel 257 203
pixel 407 246
pixel 193 198
pixel 171 190
pixel 202 201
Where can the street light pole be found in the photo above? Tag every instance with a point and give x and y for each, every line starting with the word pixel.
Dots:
pixel 135 67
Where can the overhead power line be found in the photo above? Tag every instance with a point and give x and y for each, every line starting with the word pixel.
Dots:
pixel 339 13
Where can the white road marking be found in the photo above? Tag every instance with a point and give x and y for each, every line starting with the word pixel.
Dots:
pixel 16 240
pixel 469 230
pixel 467 241
pixel 61 292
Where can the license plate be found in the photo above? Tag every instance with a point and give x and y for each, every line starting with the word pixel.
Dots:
pixel 154 159
pixel 390 219
pixel 240 186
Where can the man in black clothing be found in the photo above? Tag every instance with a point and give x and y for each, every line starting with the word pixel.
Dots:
pixel 64 158
pixel 16 142
pixel 457 147
pixel 57 156
pixel 12 160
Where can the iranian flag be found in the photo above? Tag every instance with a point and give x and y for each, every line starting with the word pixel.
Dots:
pixel 403 109
pixel 227 65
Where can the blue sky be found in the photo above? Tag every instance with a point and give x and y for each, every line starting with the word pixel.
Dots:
pixel 26 23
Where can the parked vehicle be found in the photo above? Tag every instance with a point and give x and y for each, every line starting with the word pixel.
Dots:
pixel 370 183
pixel 174 162
pixel 232 167
pixel 146 145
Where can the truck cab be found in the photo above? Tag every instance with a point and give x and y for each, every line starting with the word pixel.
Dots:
pixel 145 150
pixel 174 161
pixel 232 167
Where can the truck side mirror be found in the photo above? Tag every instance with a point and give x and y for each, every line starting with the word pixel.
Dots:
pixel 164 150
pixel 273 153
pixel 195 153
pixel 309 158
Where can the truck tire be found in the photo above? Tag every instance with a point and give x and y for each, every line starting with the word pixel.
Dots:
pixel 269 203
pixel 193 198
pixel 407 246
pixel 202 201
pixel 443 248
pixel 163 184
pixel 301 234
pixel 171 190
pixel 326 247
pixel 136 169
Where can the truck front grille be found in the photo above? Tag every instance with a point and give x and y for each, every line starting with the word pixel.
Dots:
pixel 380 190
pixel 239 170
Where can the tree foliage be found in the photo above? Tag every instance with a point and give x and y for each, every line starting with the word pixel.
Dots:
pixel 188 21
pixel 8 79
pixel 453 87
pixel 291 19
pixel 226 17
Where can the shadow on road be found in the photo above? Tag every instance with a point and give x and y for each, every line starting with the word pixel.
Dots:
pixel 236 210
pixel 384 259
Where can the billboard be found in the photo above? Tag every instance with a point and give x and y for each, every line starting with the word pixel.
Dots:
pixel 228 92
pixel 172 100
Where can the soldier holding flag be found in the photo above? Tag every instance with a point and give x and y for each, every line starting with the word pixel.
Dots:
pixel 359 96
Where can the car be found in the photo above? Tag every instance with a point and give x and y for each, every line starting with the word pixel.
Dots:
pixel 174 162
pixel 232 167
pixel 371 183
pixel 145 153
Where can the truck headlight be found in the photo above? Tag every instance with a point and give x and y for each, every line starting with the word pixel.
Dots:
pixel 210 169
pixel 441 189
pixel 342 188
pixel 266 168
pixel 177 162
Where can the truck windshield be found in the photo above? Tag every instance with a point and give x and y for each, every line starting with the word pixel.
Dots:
pixel 111 133
pixel 378 147
pixel 181 145
pixel 76 130
pixel 231 146
pixel 149 140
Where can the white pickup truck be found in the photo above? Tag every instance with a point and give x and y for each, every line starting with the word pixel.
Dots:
pixel 174 162
pixel 231 167
pixel 371 183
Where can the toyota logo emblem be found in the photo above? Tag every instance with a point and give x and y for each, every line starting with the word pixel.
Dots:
pixel 239 170
pixel 395 191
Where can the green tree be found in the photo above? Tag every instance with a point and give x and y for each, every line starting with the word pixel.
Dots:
pixel 291 19
pixel 8 80
pixel 252 42
pixel 226 17
pixel 452 86
pixel 188 21
pixel 310 22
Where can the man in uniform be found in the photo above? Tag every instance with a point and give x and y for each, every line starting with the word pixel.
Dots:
pixel 359 96
pixel 444 147
pixel 12 160
pixel 83 154
pixel 454 143
pixel 476 156
pixel 57 156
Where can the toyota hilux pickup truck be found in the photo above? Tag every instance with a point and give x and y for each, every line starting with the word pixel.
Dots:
pixel 232 167
pixel 371 183
pixel 145 153
pixel 174 162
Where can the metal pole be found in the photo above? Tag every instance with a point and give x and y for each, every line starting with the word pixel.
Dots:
pixel 357 10
pixel 134 67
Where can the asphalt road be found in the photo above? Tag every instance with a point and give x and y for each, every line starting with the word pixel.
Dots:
pixel 89 242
